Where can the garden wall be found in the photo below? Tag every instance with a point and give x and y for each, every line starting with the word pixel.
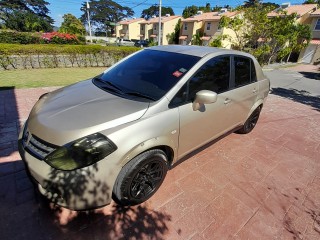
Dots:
pixel 17 56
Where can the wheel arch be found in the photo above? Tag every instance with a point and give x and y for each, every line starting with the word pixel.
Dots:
pixel 155 143
pixel 259 103
pixel 167 150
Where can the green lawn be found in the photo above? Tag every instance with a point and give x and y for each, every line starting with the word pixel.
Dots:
pixel 32 78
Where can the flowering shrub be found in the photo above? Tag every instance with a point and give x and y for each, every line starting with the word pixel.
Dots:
pixel 59 38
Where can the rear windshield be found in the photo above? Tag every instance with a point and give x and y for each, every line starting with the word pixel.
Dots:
pixel 149 73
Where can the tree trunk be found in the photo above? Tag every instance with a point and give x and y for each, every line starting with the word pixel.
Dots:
pixel 288 56
pixel 272 54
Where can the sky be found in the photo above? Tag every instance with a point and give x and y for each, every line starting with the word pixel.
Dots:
pixel 60 7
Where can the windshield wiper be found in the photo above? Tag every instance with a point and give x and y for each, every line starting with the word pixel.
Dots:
pixel 108 83
pixel 140 95
pixel 119 90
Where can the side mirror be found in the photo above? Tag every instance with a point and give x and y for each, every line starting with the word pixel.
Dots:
pixel 204 97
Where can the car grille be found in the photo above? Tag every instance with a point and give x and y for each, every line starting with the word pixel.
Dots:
pixel 37 147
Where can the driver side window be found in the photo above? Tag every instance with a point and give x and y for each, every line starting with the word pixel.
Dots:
pixel 214 75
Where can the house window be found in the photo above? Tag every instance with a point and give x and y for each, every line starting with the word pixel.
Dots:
pixel 185 26
pixel 317 27
pixel 208 26
pixel 142 28
pixel 154 27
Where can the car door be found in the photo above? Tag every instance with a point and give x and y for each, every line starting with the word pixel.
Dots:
pixel 244 88
pixel 211 120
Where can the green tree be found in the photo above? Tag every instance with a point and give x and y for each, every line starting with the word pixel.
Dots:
pixel 71 24
pixel 192 10
pixel 196 38
pixel 251 3
pixel 300 38
pixel 217 8
pixel 25 15
pixel 173 38
pixel 239 27
pixel 267 38
pixel 286 36
pixel 154 11
pixel 26 22
pixel 105 14
pixel 206 8
pixel 271 5
pixel 217 42
pixel 312 2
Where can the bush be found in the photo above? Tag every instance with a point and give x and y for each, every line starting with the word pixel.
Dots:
pixel 36 38
pixel 53 55
pixel 19 37
pixel 82 39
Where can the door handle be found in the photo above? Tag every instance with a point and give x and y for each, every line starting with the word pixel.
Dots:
pixel 227 101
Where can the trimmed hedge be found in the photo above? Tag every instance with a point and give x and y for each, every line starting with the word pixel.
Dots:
pixel 17 56
pixel 19 37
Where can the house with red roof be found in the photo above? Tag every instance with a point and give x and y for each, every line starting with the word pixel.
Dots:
pixel 312 53
pixel 149 29
pixel 129 28
pixel 208 26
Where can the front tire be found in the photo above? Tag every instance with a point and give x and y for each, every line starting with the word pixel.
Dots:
pixel 251 122
pixel 140 178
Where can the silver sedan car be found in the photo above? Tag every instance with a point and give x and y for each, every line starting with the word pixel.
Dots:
pixel 116 135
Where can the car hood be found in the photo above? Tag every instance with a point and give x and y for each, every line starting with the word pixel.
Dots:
pixel 78 110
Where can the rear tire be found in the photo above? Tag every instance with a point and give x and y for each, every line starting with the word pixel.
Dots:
pixel 251 122
pixel 140 178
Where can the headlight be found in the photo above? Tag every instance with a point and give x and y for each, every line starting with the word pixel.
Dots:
pixel 81 153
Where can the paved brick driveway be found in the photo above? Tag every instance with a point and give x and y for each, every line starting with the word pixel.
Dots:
pixel 264 185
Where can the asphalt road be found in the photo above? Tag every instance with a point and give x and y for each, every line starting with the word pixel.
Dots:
pixel 300 84
pixel 303 82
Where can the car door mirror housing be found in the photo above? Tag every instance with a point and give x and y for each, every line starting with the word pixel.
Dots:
pixel 204 97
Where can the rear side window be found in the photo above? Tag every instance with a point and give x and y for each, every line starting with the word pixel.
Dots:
pixel 245 72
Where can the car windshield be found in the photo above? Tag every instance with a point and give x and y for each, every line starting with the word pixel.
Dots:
pixel 149 74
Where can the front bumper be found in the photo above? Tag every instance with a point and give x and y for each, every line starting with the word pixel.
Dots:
pixel 81 189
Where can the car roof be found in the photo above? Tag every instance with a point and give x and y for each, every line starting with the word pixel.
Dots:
pixel 199 51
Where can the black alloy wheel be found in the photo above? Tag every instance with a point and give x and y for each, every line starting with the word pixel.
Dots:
pixel 147 180
pixel 251 122
pixel 140 178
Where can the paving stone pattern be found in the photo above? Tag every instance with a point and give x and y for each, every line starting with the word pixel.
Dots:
pixel 264 185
